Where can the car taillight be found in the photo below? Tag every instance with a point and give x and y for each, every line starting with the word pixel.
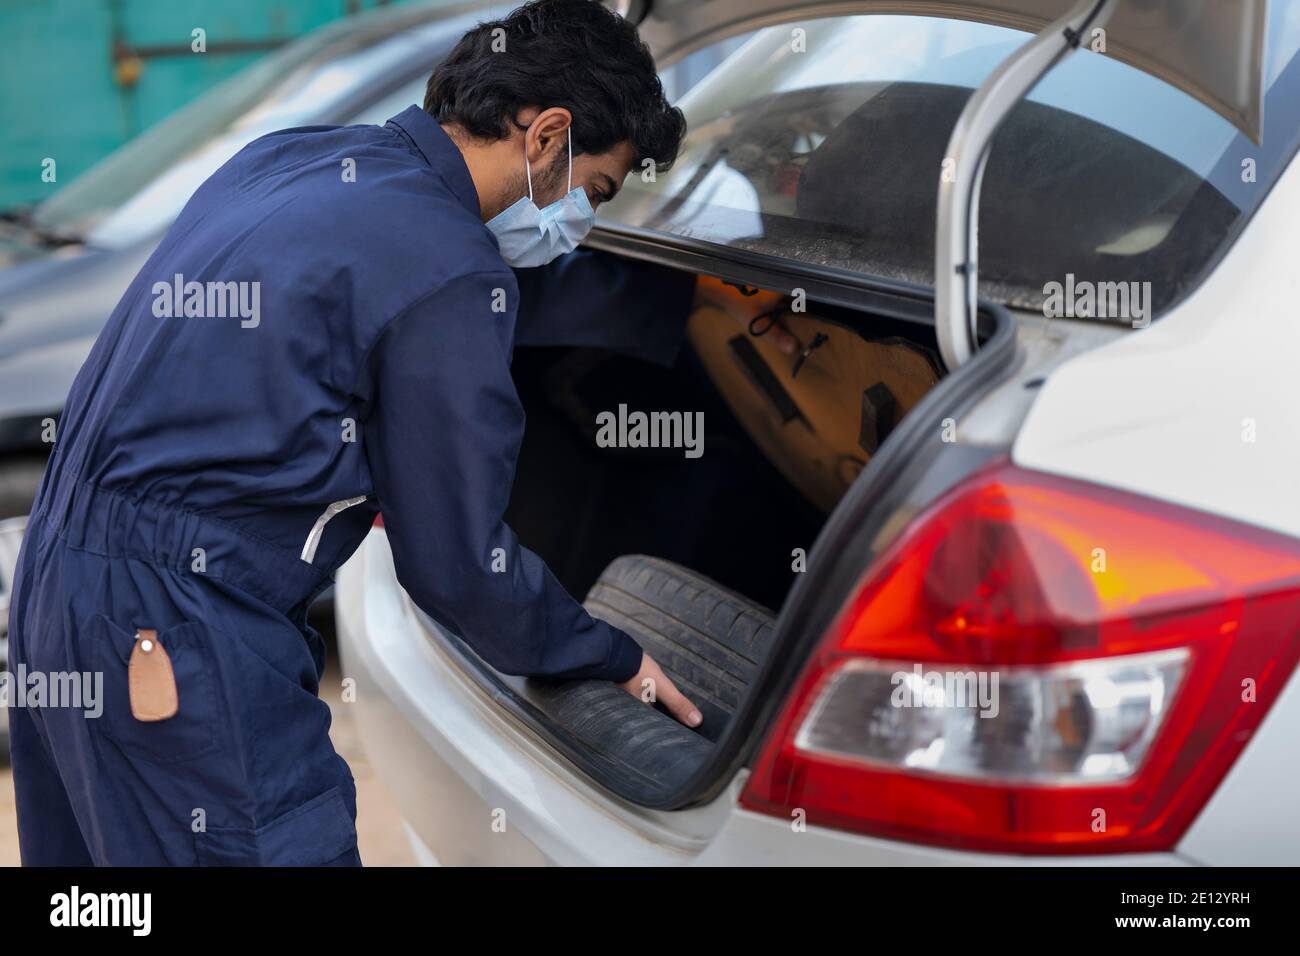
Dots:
pixel 1039 665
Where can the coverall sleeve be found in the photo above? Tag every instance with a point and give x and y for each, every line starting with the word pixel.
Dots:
pixel 442 438
pixel 589 298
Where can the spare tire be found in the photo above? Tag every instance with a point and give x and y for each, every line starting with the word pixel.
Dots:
pixel 709 640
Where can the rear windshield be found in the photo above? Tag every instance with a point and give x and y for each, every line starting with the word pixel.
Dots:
pixel 824 143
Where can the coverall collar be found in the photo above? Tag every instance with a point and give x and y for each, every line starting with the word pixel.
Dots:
pixel 439 152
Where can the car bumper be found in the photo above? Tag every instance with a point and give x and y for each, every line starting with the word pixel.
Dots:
pixel 477 787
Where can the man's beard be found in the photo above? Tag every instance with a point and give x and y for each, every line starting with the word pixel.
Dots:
pixel 548 185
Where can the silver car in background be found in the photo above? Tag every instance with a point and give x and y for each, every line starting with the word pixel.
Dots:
pixel 65 263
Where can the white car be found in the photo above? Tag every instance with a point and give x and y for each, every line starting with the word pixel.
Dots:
pixel 1027 524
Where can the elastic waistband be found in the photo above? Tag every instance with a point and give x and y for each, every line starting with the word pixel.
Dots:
pixel 115 524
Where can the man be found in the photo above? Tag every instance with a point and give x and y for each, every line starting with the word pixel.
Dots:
pixel 325 333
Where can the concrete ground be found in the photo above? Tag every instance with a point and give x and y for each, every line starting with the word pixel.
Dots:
pixel 379 828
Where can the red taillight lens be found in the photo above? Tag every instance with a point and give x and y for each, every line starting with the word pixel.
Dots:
pixel 1039 665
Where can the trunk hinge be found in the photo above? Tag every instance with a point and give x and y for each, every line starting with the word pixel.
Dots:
pixel 956 259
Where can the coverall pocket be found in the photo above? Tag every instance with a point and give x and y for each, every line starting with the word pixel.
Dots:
pixel 316 833
pixel 192 732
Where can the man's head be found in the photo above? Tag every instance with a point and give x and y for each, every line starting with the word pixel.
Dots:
pixel 520 86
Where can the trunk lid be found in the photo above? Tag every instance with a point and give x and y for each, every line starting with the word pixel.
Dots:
pixel 1211 51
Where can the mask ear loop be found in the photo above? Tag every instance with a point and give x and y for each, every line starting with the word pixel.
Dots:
pixel 528 168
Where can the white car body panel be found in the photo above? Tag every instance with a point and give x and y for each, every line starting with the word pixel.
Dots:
pixel 1165 411
pixel 1251 820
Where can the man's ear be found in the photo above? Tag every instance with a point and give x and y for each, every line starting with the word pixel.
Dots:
pixel 548 132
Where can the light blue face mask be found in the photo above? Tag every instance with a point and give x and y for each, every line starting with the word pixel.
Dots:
pixel 529 236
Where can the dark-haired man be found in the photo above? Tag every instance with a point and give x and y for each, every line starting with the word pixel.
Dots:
pixel 214 467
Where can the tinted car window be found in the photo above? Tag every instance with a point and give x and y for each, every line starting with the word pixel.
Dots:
pixel 831 154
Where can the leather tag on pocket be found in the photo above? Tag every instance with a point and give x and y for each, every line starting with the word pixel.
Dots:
pixel 150 679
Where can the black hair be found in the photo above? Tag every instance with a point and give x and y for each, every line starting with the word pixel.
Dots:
pixel 575 54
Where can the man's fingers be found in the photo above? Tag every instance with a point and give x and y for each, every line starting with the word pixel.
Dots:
pixel 786 342
pixel 652 684
pixel 678 705
pixel 745 308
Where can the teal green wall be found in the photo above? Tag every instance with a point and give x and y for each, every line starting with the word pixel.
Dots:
pixel 62 93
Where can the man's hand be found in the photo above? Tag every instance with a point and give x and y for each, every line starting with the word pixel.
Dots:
pixel 651 684
pixel 743 308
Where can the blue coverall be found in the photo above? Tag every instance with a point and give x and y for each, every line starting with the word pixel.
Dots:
pixel 198 451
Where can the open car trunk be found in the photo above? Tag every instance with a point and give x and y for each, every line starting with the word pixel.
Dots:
pixel 779 446
pixel 693 555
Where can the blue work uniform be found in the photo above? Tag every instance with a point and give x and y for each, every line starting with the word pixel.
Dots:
pixel 325 333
